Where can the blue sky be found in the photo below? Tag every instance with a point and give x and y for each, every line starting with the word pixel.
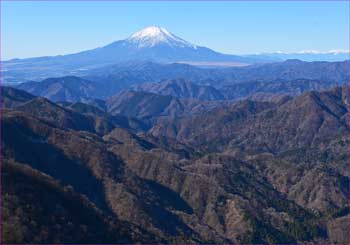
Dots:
pixel 30 29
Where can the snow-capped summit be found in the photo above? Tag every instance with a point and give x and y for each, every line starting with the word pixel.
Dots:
pixel 153 43
pixel 333 51
pixel 155 35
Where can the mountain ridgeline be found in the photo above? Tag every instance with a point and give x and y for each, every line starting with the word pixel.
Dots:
pixel 155 44
pixel 152 43
pixel 180 80
pixel 132 143
pixel 176 162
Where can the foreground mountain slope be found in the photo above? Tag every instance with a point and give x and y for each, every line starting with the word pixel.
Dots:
pixel 176 200
pixel 74 159
pixel 37 209
pixel 237 175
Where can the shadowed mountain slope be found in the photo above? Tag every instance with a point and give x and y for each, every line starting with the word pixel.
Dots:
pixel 37 209
pixel 308 119
pixel 245 172
pixel 12 97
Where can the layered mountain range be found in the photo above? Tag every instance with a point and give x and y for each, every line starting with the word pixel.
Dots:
pixel 149 140
pixel 170 163
pixel 151 44
pixel 307 55
pixel 289 77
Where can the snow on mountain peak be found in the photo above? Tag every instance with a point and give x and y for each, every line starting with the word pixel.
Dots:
pixel 151 31
pixel 154 35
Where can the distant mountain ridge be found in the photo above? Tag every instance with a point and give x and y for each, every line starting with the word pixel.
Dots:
pixel 186 81
pixel 306 55
pixel 181 88
pixel 150 44
pixel 68 88
pixel 155 140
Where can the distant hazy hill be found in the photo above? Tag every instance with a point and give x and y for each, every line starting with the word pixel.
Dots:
pixel 307 55
pixel 186 81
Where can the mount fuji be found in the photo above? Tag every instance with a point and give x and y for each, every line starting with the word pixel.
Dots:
pixel 154 35
pixel 153 43
pixel 159 45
